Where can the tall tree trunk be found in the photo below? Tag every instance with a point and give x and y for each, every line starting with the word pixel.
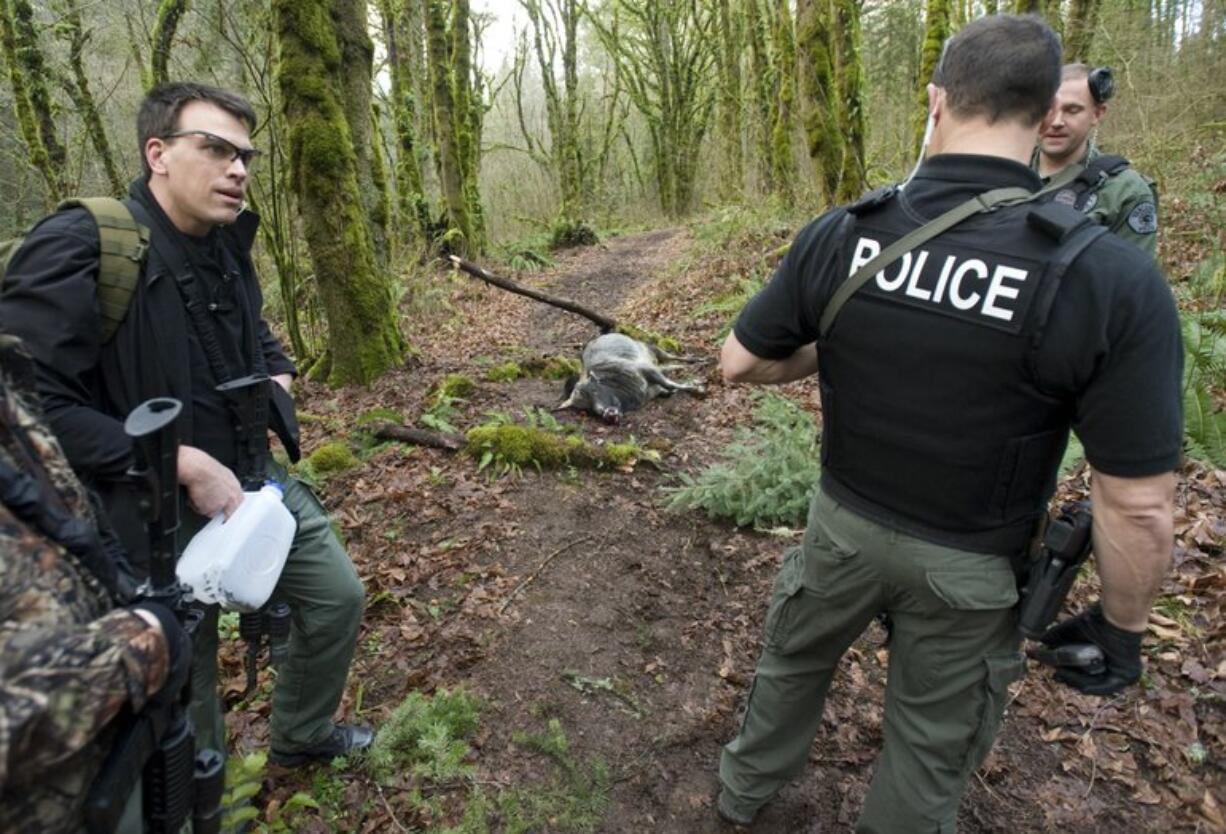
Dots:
pixel 354 79
pixel 851 94
pixel 554 29
pixel 32 100
pixel 729 62
pixel 170 12
pixel 763 90
pixel 450 164
pixel 467 118
pixel 936 31
pixel 783 157
pixel 819 98
pixel 363 336
pixel 78 89
pixel 400 34
pixel 1079 31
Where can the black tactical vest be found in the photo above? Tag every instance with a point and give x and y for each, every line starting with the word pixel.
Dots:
pixel 933 421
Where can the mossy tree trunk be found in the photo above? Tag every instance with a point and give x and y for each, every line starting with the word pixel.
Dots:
pixel 936 30
pixel 763 89
pixel 783 157
pixel 819 100
pixel 468 117
pixel 1027 7
pixel 730 101
pixel 1079 31
pixel 170 12
pixel 555 29
pixel 991 7
pixel 31 98
pixel 461 235
pixel 851 99
pixel 363 335
pixel 354 77
pixel 400 30
pixel 1052 11
pixel 665 55
pixel 78 88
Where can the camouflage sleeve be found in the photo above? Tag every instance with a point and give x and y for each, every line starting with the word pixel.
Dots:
pixel 1135 218
pixel 59 686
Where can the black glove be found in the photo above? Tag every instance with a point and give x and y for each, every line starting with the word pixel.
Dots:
pixel 1121 652
pixel 179 649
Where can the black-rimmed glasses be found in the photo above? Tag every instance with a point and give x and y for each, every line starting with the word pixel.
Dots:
pixel 219 149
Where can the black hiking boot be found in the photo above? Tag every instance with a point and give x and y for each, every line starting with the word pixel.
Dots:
pixel 342 741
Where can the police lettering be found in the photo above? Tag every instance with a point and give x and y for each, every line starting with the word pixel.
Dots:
pixel 965 283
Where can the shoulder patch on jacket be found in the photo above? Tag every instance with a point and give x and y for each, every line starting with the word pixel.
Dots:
pixel 1143 219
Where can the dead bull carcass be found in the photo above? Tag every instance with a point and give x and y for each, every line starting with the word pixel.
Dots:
pixel 620 374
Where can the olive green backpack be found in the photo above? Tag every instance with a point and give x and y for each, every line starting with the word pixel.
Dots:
pixel 123 242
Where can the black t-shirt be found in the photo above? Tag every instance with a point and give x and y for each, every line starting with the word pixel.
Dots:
pixel 1111 350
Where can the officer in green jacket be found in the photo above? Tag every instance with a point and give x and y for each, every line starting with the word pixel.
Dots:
pixel 1108 190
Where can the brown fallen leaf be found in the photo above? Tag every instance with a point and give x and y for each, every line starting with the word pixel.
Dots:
pixel 1212 812
pixel 1146 795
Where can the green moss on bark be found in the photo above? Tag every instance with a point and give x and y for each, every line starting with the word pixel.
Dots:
pixel 363 335
pixel 936 30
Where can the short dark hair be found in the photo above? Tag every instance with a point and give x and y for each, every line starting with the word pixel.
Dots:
pixel 1001 67
pixel 159 110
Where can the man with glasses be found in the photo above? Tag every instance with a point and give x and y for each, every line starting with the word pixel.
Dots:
pixel 193 331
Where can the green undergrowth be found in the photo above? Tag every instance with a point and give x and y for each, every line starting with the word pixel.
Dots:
pixel 568 234
pixel 573 797
pixel 330 459
pixel 749 225
pixel 728 304
pixel 1204 341
pixel 528 254
pixel 541 367
pixel 426 737
pixel 441 412
pixel 504 372
pixel 505 445
pixel 665 343
pixel 765 477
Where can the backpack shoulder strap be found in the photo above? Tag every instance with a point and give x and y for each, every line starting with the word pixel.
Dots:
pixel 123 243
pixel 1072 232
pixel 987 201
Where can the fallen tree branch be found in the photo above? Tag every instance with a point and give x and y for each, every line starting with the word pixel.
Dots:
pixel 418 437
pixel 602 321
pixel 537 572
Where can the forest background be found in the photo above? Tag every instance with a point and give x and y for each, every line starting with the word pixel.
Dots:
pixel 691 138
pixel 391 137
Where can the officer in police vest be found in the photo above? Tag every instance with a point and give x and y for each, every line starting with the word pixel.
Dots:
pixel 960 330
pixel 1105 187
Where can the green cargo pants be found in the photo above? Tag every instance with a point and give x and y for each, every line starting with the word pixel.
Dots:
pixel 953 654
pixel 326 599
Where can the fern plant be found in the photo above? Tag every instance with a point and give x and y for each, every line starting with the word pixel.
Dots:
pixel 1204 340
pixel 765 476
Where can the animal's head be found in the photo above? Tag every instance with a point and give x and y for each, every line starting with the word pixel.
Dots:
pixel 588 393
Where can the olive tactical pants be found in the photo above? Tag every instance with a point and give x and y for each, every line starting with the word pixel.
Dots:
pixel 326 599
pixel 953 654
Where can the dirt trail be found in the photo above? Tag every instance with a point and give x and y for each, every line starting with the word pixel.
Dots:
pixel 637 629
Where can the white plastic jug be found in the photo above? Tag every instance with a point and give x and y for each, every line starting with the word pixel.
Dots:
pixel 236 561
